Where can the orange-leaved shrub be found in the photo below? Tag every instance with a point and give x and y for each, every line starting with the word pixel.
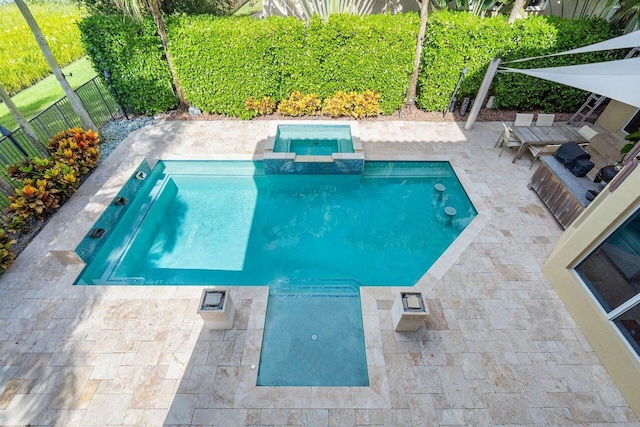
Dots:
pixel 300 104
pixel 342 104
pixel 262 107
pixel 45 184
pixel 352 104
pixel 7 256
pixel 76 148
pixel 35 200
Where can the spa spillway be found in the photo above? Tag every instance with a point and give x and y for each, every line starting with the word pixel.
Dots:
pixel 318 148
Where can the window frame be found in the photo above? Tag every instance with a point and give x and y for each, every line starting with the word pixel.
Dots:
pixel 629 304
pixel 634 116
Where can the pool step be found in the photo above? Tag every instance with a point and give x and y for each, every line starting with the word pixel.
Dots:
pixel 314 287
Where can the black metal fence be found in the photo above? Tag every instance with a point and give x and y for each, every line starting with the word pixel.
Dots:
pixel 98 101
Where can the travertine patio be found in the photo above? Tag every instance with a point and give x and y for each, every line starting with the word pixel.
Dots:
pixel 500 347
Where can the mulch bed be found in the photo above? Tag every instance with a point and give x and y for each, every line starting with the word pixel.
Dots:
pixel 407 114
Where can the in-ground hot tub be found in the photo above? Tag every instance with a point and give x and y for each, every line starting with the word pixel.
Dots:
pixel 317 147
pixel 313 140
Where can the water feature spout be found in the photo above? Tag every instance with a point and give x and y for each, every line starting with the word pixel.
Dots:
pixel 96 233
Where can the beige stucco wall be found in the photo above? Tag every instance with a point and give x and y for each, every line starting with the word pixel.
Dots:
pixel 615 116
pixel 582 237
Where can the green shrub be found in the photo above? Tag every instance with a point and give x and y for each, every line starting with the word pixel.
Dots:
pixel 517 91
pixel 189 7
pixel 299 104
pixel 221 62
pixel 132 53
pixel 455 40
pixel 349 53
pixel 198 7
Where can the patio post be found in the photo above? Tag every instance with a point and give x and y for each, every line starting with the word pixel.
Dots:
pixel 482 92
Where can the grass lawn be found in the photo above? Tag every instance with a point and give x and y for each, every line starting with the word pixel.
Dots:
pixel 247 9
pixel 47 91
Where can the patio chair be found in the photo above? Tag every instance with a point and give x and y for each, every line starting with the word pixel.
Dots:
pixel 587 132
pixel 545 119
pixel 542 150
pixel 523 119
pixel 507 139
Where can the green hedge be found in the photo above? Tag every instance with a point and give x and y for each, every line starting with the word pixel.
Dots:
pixel 222 62
pixel 517 91
pixel 132 53
pixel 455 40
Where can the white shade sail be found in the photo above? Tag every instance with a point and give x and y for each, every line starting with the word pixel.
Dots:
pixel 626 41
pixel 619 80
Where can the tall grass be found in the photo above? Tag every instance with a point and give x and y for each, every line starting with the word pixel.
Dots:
pixel 36 98
pixel 21 62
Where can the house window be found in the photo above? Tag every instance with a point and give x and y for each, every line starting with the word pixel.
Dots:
pixel 629 324
pixel 612 274
pixel 633 124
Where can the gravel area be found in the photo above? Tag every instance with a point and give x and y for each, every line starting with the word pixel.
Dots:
pixel 113 133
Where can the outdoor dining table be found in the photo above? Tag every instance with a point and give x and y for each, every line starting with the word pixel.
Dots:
pixel 545 135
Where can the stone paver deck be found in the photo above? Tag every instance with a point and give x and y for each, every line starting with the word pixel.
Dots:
pixel 500 347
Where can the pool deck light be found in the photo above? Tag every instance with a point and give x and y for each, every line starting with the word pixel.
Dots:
pixel 408 312
pixel 216 308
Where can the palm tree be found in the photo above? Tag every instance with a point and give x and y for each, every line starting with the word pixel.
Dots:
pixel 134 9
pixel 515 12
pixel 628 15
pixel 74 99
pixel 413 82
pixel 22 122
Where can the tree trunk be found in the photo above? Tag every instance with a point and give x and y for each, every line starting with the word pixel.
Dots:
pixel 22 122
pixel 413 82
pixel 74 99
pixel 162 31
pixel 515 12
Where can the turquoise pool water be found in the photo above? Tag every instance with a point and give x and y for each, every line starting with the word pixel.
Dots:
pixel 318 140
pixel 227 223
pixel 313 336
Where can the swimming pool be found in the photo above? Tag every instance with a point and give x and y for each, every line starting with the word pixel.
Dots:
pixel 313 336
pixel 227 223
